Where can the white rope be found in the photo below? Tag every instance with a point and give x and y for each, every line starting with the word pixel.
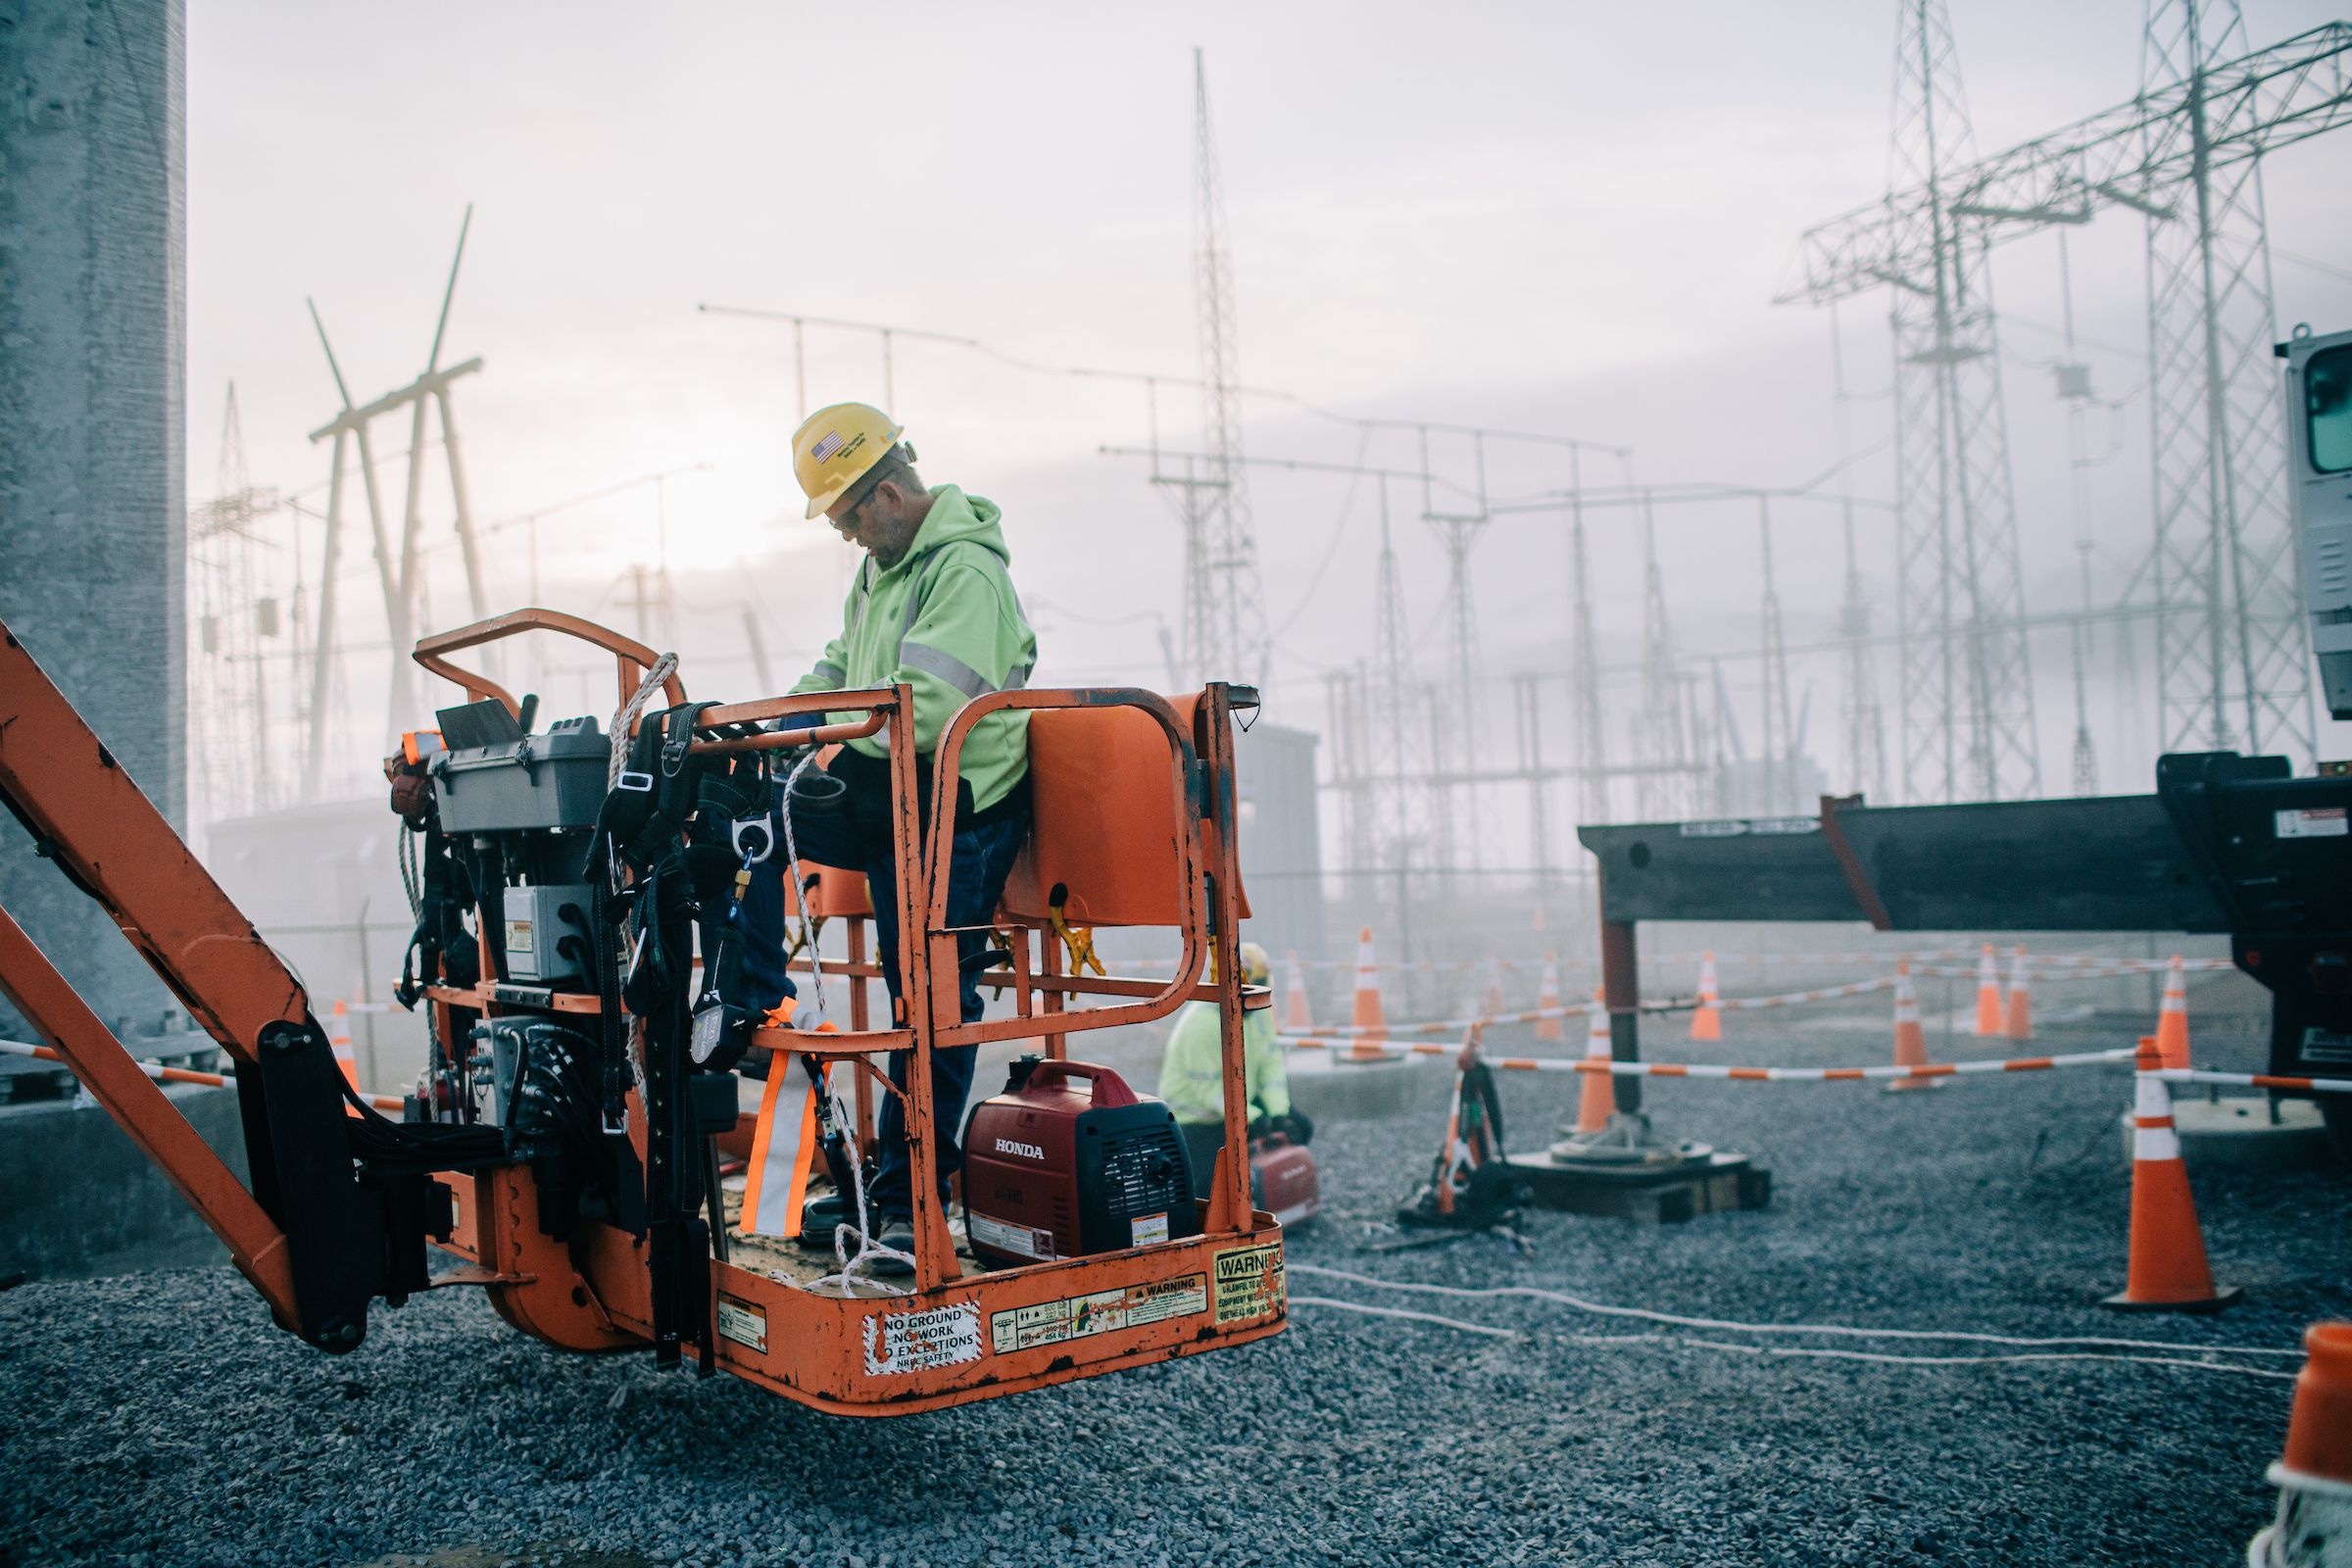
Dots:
pixel 664 666
pixel 1873 1357
pixel 800 894
pixel 1411 1316
pixel 868 1250
pixel 1837 1330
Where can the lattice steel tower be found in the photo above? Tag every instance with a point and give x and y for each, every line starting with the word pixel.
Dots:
pixel 1967 709
pixel 2232 658
pixel 1224 600
pixel 2182 155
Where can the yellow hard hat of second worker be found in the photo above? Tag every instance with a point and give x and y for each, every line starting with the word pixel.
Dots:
pixel 835 447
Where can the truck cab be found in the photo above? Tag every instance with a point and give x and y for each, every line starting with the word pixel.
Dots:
pixel 2319 435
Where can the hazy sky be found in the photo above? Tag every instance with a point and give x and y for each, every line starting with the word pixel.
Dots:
pixel 1558 217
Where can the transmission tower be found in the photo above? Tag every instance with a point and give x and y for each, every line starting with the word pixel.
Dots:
pixel 1460 709
pixel 230 711
pixel 398 558
pixel 1224 600
pixel 1584 660
pixel 1395 708
pixel 1968 696
pixel 2232 658
pixel 2182 154
pixel 1663 784
pixel 1779 728
pixel 1865 726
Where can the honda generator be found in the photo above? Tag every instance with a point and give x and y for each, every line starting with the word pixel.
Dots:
pixel 1068 1161
pixel 1283 1180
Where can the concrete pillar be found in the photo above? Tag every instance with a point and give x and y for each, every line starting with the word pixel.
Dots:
pixel 92 445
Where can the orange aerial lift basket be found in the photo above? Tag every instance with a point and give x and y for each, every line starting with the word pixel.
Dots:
pixel 1134 825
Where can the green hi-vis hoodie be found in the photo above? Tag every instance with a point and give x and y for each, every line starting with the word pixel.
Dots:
pixel 1192 1074
pixel 945 621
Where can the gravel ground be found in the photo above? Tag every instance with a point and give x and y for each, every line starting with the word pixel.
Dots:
pixel 156 1419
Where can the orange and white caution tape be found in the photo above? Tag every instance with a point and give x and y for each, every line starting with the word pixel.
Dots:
pixel 2255 1079
pixel 2036 962
pixel 1454 1026
pixel 175 1075
pixel 1771 1075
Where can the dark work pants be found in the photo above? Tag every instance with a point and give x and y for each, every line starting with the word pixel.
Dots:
pixel 857 838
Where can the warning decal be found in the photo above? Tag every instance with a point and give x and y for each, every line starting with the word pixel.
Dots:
pixel 1250 1282
pixel 743 1323
pixel 1021 1238
pixel 2321 823
pixel 1074 1317
pixel 917 1341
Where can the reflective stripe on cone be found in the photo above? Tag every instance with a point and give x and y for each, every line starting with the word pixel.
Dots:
pixel 2166 1270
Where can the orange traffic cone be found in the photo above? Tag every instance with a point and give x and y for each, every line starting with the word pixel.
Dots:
pixel 2021 1000
pixel 1295 1014
pixel 1910 1040
pixel 2167 1272
pixel 1370 1024
pixel 2315 1478
pixel 1990 1019
pixel 1547 996
pixel 1494 1003
pixel 2172 1019
pixel 1599 1096
pixel 340 1039
pixel 1707 1023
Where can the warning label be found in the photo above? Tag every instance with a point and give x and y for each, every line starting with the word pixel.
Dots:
pixel 1145 1228
pixel 1074 1317
pixel 743 1323
pixel 917 1341
pixel 1025 1240
pixel 1250 1282
pixel 518 932
pixel 2320 822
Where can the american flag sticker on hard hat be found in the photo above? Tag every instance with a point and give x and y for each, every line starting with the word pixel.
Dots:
pixel 826 446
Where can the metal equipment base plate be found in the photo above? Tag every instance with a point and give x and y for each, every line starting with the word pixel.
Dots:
pixel 1665 1195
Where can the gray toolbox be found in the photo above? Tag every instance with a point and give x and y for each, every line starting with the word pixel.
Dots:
pixel 495 779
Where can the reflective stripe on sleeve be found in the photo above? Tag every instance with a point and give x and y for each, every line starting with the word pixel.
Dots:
pixel 946 666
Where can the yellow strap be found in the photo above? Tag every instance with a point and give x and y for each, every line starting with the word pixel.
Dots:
pixel 1078 939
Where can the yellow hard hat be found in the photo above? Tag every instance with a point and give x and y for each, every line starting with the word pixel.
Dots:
pixel 1256 968
pixel 836 447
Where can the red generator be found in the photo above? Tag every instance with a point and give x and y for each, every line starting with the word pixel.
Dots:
pixel 1283 1180
pixel 1068 1161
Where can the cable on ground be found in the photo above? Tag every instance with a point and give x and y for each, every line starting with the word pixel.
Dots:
pixel 1873 1357
pixel 1729 1325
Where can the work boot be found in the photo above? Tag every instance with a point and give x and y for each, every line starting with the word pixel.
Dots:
pixel 899 1236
